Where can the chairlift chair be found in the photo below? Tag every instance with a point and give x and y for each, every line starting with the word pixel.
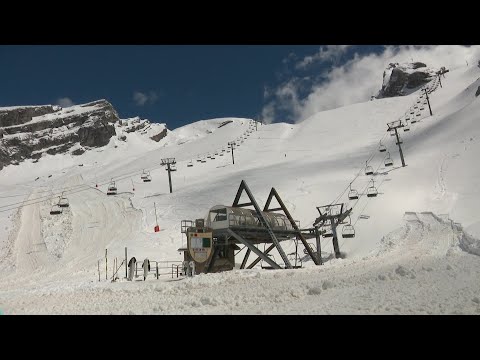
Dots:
pixel 382 148
pixel 144 174
pixel 326 231
pixel 56 209
pixel 372 191
pixel 190 163
pixel 418 114
pixel 422 108
pixel 352 194
pixel 112 189
pixel 368 169
pixel 406 127
pixel 348 231
pixel 63 202
pixel 148 178
pixel 388 160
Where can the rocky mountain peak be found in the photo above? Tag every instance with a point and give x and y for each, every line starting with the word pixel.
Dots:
pixel 403 79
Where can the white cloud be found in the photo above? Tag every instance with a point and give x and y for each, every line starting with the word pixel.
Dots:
pixel 65 102
pixel 360 78
pixel 142 98
pixel 326 53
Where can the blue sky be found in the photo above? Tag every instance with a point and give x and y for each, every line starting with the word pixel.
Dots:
pixel 164 83
pixel 180 84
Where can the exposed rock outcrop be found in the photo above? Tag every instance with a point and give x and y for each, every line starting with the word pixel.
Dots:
pixel 402 79
pixel 21 114
pixel 160 135
pixel 30 131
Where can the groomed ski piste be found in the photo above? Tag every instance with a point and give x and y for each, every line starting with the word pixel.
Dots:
pixel 416 249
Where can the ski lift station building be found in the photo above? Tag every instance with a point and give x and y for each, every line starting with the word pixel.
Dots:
pixel 212 243
pixel 213 233
pixel 221 217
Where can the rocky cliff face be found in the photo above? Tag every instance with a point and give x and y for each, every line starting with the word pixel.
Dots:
pixel 21 114
pixel 142 127
pixel 159 136
pixel 29 132
pixel 403 79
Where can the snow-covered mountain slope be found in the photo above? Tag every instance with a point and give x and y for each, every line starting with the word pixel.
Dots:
pixel 393 255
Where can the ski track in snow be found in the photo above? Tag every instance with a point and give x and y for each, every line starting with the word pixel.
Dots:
pixel 389 281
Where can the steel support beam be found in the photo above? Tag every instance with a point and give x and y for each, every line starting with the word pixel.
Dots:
pixel 255 250
pixel 244 262
pixel 399 148
pixel 244 186
pixel 273 193
pixel 257 260
pixel 335 239
pixel 319 248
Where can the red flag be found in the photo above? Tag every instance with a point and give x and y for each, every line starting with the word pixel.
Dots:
pixel 157 228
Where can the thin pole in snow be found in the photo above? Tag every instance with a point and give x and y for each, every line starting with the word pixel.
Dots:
pixel 155 206
pixel 99 270
pixel 126 275
pixel 106 268
pixel 232 146
pixel 428 101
